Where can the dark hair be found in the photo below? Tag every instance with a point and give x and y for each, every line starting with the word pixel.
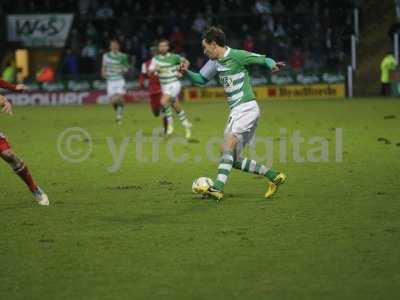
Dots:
pixel 215 34
pixel 114 40
pixel 162 40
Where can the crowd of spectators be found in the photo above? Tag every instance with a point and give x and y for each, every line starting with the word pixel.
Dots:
pixel 308 34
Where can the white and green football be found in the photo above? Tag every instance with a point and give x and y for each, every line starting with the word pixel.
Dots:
pixel 201 184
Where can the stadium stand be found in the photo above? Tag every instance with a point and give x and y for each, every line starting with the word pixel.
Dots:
pixel 307 34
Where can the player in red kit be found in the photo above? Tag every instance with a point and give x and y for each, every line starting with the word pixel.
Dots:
pixel 9 156
pixel 153 85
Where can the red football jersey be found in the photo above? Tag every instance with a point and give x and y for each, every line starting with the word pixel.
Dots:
pixel 154 84
pixel 4 145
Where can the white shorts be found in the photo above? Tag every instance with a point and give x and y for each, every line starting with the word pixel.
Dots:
pixel 243 122
pixel 116 87
pixel 172 89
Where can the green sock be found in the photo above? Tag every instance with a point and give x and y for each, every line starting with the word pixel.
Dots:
pixel 183 118
pixel 224 168
pixel 251 166
pixel 168 114
pixel 120 110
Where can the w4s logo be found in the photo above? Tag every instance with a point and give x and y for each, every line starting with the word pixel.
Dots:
pixel 227 81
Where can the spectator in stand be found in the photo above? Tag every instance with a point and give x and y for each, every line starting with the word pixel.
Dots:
pixel 280 32
pixel 268 22
pixel 160 32
pixel 185 22
pixel 90 50
pixel 297 60
pixel 145 34
pixel 71 64
pixel 309 62
pixel 105 11
pixel 117 8
pixel 302 7
pixel 320 27
pixel 279 8
pixel 133 66
pixel 388 64
pixel 91 33
pixel 75 41
pixel 315 8
pixel 137 7
pixel 94 6
pixel 177 38
pixel 245 29
pixel 223 8
pixel 121 37
pixel 45 74
pixel 199 24
pixel 83 7
pixel 152 10
pixel 125 21
pixel 329 39
pixel 129 44
pixel 248 43
pixel 397 9
pixel 262 7
pixel 89 54
pixel 9 73
pixel 31 6
pixel 297 35
pixel 262 45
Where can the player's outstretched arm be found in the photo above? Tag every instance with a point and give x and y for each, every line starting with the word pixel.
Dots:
pixel 185 62
pixel 276 66
pixel 12 87
pixel 249 58
pixel 195 78
pixel 21 88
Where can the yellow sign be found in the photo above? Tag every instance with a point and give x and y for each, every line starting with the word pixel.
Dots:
pixel 273 92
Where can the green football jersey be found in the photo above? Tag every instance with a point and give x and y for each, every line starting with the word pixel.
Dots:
pixel 167 67
pixel 115 65
pixel 233 74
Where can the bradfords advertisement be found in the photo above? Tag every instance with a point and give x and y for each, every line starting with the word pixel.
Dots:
pixel 39 30
pixel 71 98
pixel 307 91
pixel 273 92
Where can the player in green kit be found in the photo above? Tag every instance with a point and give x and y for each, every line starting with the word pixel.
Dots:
pixel 166 64
pixel 231 67
pixel 115 64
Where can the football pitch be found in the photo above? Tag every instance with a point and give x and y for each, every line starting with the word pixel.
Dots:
pixel 123 222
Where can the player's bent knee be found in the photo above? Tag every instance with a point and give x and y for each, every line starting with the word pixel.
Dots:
pixel 6 154
pixel 10 157
pixel 230 143
pixel 121 99
pixel 116 99
pixel 165 100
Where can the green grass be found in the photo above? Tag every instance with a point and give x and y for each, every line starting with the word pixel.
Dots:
pixel 332 232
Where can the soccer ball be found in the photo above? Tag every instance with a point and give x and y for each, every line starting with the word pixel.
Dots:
pixel 201 184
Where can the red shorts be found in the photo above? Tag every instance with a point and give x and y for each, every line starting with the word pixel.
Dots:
pixel 4 145
pixel 155 103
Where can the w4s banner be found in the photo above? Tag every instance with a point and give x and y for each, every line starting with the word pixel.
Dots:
pixel 39 30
